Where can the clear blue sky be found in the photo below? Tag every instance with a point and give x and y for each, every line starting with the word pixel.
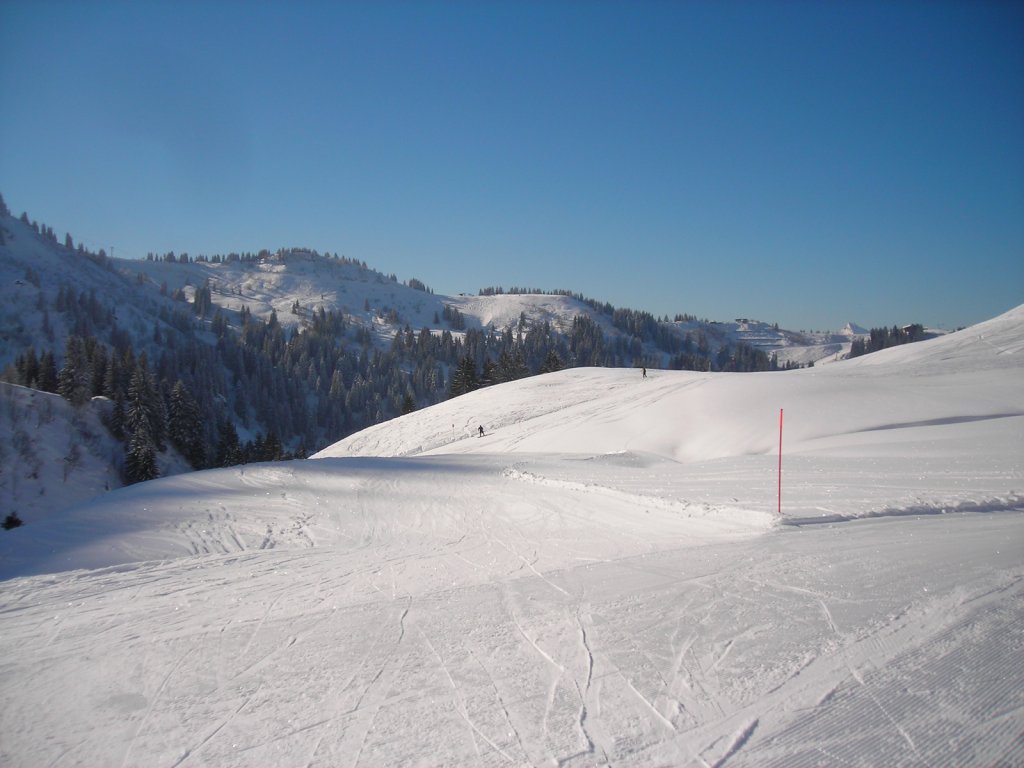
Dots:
pixel 805 163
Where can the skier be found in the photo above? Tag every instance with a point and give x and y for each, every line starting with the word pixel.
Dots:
pixel 645 371
pixel 481 428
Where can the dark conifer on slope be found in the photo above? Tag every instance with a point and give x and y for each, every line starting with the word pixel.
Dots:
pixel 74 378
pixel 228 448
pixel 47 372
pixel 552 363
pixel 185 425
pixel 465 378
pixel 145 403
pixel 140 455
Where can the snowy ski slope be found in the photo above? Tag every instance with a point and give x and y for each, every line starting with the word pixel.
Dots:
pixel 602 578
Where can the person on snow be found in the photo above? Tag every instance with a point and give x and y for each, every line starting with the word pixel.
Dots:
pixel 645 371
pixel 481 428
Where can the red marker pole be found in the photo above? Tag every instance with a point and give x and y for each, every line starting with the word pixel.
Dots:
pixel 780 462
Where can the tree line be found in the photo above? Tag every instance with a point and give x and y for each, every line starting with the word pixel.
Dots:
pixel 883 338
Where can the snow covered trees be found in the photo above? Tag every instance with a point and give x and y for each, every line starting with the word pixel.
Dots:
pixel 185 425
pixel 144 427
pixel 74 381
pixel 140 455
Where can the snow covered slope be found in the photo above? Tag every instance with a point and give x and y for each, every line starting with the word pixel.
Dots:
pixel 910 404
pixel 53 455
pixel 600 579
pixel 32 271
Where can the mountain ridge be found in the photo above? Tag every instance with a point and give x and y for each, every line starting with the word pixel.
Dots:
pixel 243 280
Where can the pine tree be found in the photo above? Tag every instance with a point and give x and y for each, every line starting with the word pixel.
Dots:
pixel 202 303
pixel 229 451
pixel 254 448
pixel 73 380
pixel 552 363
pixel 408 404
pixel 112 384
pixel 99 365
pixel 185 425
pixel 116 420
pixel 272 449
pixel 511 366
pixel 464 379
pixel 47 372
pixel 145 402
pixel 140 456
pixel 489 373
pixel 28 368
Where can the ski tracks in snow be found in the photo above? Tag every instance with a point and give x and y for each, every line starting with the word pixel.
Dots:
pixel 463 710
pixel 795 649
pixel 152 704
pixel 905 683
pixel 843 643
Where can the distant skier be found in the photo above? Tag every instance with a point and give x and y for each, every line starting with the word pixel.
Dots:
pixel 645 371
pixel 481 428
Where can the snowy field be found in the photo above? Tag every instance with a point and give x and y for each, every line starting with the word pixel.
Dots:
pixel 602 578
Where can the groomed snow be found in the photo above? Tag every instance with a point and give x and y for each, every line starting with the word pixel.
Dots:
pixel 602 578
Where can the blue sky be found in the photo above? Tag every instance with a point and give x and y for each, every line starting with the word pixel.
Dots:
pixel 800 163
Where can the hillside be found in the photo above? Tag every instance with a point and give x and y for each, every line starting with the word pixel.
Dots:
pixel 277 282
pixel 58 455
pixel 291 350
pixel 703 416
pixel 294 284
pixel 601 579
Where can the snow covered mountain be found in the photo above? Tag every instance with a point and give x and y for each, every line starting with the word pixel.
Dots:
pixel 303 346
pixel 294 284
pixel 603 577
